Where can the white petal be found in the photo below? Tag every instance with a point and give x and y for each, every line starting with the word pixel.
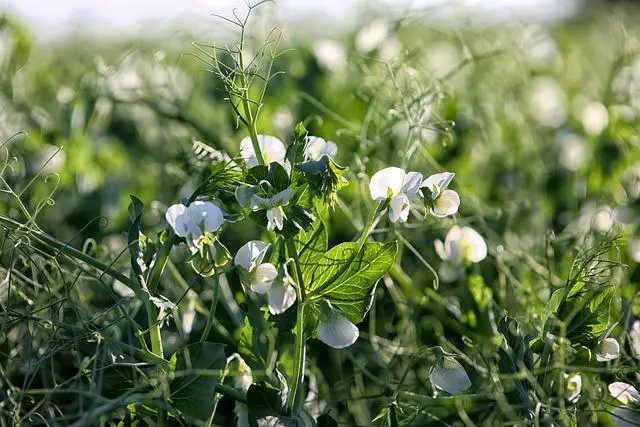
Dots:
pixel 245 195
pixel 275 219
pixel 450 376
pixel 281 298
pixel 173 215
pixel 624 416
pixel 123 290
pixel 411 184
pixel 315 148
pixel 386 182
pixel 273 150
pixel 437 183
pixel 247 152
pixel 574 387
pixel 448 272
pixel 251 254
pixel 399 208
pixel 331 149
pixel 242 413
pixel 625 393
pixel 337 331
pixel 446 204
pixel 634 334
pixel 188 317
pixel 263 277
pixel 281 198
pixel 440 249
pixel 609 350
pixel 473 245
pixel 206 216
pixel 453 245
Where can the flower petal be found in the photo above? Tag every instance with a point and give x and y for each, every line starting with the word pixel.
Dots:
pixel 386 182
pixel 317 147
pixel 245 195
pixel 337 331
pixel 399 208
pixel 437 183
pixel 206 216
pixel 411 184
pixel 275 219
pixel 251 254
pixel 473 245
pixel 448 272
pixel 445 204
pixel 263 277
pixel 273 150
pixel 281 298
pixel 450 376
pixel 453 245
pixel 281 198
pixel 624 416
pixel 625 393
pixel 574 388
pixel 174 219
pixel 609 350
pixel 440 249
pixel 634 334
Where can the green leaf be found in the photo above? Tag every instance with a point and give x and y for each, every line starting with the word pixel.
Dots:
pixel 346 278
pixel 254 338
pixel 295 151
pixel 324 177
pixel 193 393
pixel 141 248
pixel 312 244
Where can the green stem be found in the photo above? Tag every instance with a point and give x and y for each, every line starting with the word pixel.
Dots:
pixel 212 310
pixel 154 327
pixel 295 388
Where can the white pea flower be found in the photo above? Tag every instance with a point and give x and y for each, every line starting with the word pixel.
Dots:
pixel 449 375
pixel 609 350
pixel 574 387
pixel 244 379
pixel 273 150
pixel 625 393
pixel 443 202
pixel 462 245
pixel 194 221
pixel 335 330
pixel 398 186
pixel 248 198
pixel 634 334
pixel 281 296
pixel 317 147
pixel 261 275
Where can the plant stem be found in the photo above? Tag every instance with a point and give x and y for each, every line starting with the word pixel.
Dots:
pixel 212 310
pixel 300 344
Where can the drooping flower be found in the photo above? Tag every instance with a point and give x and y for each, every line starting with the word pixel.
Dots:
pixel 449 375
pixel 334 329
pixel 628 415
pixel 574 387
pixel 281 296
pixel 261 275
pixel 316 148
pixel 247 197
pixel 462 245
pixel 442 202
pixel 399 187
pixel 609 350
pixel 273 150
pixel 194 221
pixel 625 393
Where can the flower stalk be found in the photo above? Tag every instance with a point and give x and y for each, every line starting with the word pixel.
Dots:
pixel 293 398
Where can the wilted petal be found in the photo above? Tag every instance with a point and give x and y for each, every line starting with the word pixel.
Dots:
pixel 281 298
pixel 273 150
pixel 473 245
pixel 574 388
pixel 263 277
pixel 251 254
pixel 399 208
pixel 449 376
pixel 207 216
pixel 437 183
pixel 411 184
pixel 609 350
pixel 625 393
pixel 337 331
pixel 175 218
pixel 275 218
pixel 445 204
pixel 386 183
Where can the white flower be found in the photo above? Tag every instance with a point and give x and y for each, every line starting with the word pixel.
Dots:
pixel 634 334
pixel 261 275
pixel 372 36
pixel 281 297
pixel 244 379
pixel 194 221
pixel 449 375
pixel 335 330
pixel 595 118
pixel 248 198
pixel 574 387
pixel 462 244
pixel 316 148
pixel 399 186
pixel 330 55
pixel 625 393
pixel 609 350
pixel 443 202
pixel 273 150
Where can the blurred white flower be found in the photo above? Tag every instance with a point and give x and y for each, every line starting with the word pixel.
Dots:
pixel 189 315
pixel 273 150
pixel 609 350
pixel 573 151
pixel 50 159
pixel 371 36
pixel 443 202
pixel 194 221
pixel 547 102
pixel 625 393
pixel 574 387
pixel 449 375
pixel 462 245
pixel 283 121
pixel 634 334
pixel 330 55
pixel 634 248
pixel 65 94
pixel 316 148
pixel 261 275
pixel 595 118
pixel 398 186
pixel 335 330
